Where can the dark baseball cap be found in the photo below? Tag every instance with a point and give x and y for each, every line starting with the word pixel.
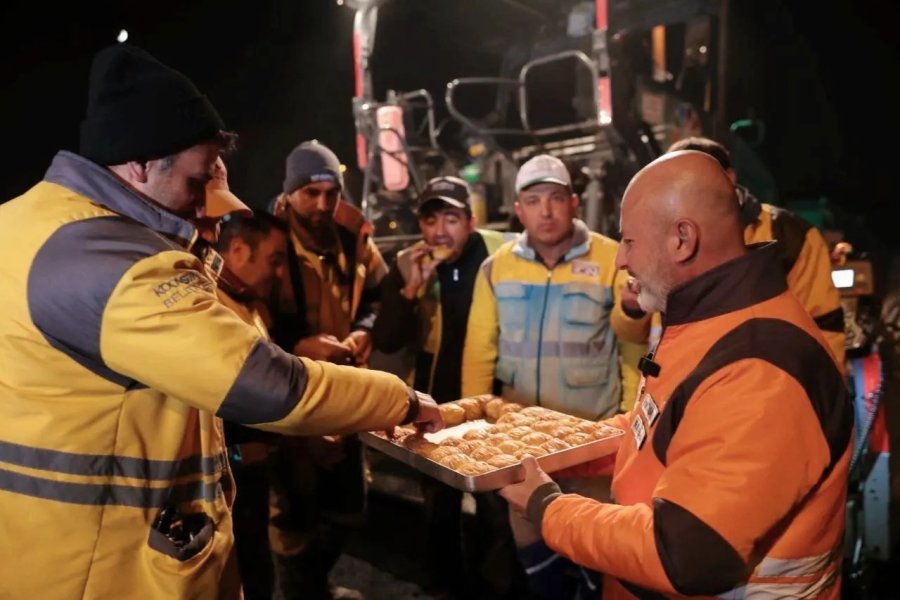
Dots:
pixel 452 191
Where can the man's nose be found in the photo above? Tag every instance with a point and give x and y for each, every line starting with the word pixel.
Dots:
pixel 322 203
pixel 546 207
pixel 621 261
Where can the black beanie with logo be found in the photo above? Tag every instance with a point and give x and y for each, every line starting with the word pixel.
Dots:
pixel 311 162
pixel 141 109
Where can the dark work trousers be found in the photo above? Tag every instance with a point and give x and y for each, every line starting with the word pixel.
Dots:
pixel 250 520
pixel 314 511
pixel 478 562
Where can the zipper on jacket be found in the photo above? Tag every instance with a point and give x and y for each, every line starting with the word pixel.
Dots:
pixel 537 396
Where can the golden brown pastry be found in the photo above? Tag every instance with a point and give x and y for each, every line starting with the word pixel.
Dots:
pixel 441 452
pixel 535 411
pixel 483 399
pixel 418 444
pixel 562 431
pixel 516 419
pixel 441 252
pixel 454 461
pixel 484 452
pixel 467 446
pixel 472 407
pixel 535 438
pixel 401 431
pixel 501 428
pixel 555 445
pixel 604 431
pixel 587 427
pixel 578 438
pixel 474 468
pixel 510 446
pixel 495 439
pixel 452 441
pixel 502 460
pixel 509 407
pixel 532 451
pixel 492 410
pixel 518 433
pixel 545 426
pixel 453 414
pixel 476 434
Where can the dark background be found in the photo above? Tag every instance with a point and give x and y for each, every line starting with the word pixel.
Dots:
pixel 281 72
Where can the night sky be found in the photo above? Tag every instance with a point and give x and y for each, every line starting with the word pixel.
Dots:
pixel 281 72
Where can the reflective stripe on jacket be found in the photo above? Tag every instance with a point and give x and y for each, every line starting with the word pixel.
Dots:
pixel 731 478
pixel 116 360
pixel 550 335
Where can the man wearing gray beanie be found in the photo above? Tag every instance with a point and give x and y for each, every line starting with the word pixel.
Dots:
pixel 118 362
pixel 326 311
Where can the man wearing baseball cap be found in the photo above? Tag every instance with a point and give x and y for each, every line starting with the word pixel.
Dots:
pixel 425 307
pixel 547 319
pixel 325 311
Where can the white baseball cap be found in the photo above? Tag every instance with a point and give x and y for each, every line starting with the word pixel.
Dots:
pixel 543 168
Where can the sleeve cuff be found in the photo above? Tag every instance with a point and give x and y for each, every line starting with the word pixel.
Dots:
pixel 539 501
pixel 412 412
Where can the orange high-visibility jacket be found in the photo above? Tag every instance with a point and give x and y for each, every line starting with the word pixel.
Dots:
pixel 738 486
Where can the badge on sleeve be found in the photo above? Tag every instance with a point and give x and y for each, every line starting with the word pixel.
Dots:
pixel 649 408
pixel 639 431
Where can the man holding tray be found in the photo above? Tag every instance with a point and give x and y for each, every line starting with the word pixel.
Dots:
pixel 732 476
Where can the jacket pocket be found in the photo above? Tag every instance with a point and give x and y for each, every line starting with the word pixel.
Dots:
pixel 512 308
pixel 584 377
pixel 585 303
pixel 197 543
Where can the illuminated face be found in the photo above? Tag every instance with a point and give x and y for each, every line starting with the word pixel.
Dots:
pixel 642 253
pixel 261 267
pixel 178 183
pixel 314 203
pixel 449 227
pixel 546 211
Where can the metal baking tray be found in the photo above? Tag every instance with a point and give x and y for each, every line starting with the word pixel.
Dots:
pixel 498 478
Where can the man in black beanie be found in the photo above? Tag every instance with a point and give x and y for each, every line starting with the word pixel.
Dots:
pixel 118 362
pixel 326 311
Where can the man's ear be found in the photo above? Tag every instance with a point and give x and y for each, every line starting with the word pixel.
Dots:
pixel 686 241
pixel 138 171
pixel 239 250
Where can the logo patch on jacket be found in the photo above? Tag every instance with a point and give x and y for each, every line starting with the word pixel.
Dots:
pixel 586 268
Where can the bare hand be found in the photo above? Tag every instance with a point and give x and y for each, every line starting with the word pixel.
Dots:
pixel 422 267
pixel 360 343
pixel 324 347
pixel 629 295
pixel 517 494
pixel 429 418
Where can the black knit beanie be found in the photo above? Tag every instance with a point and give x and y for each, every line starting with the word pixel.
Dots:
pixel 140 109
pixel 311 162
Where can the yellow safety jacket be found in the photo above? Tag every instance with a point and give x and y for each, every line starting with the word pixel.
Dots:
pixel 807 262
pixel 551 336
pixel 116 362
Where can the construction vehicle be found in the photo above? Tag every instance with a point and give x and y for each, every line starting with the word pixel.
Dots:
pixel 607 86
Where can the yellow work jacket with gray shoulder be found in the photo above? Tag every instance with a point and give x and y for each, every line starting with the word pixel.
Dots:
pixel 551 336
pixel 806 261
pixel 116 362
